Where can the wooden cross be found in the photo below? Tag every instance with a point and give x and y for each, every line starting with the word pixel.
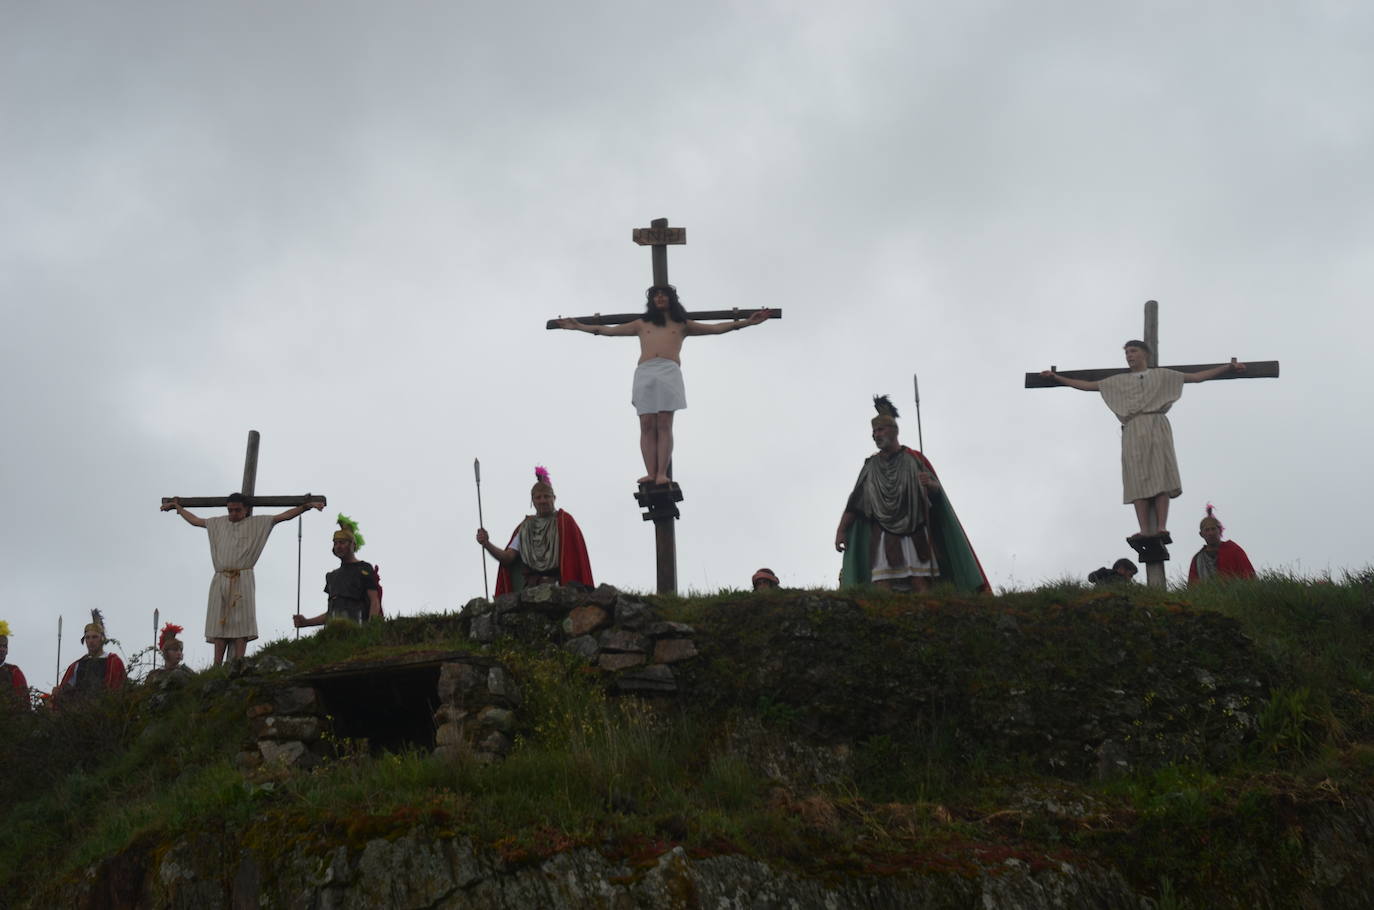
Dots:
pixel 1152 552
pixel 250 480
pixel 660 502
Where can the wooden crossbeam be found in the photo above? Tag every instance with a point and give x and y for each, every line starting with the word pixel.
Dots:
pixel 622 318
pixel 1260 369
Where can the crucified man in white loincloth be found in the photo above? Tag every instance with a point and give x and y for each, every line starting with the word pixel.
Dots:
pixel 658 389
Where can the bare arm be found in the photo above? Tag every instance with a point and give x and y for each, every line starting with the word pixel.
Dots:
pixel 301 621
pixel 1214 372
pixel 190 518
pixel 297 510
pixel 720 328
pixel 503 556
pixel 1082 384
pixel 846 520
pixel 625 328
pixel 374 604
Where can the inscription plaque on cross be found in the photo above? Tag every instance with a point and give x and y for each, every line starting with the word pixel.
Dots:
pixel 1149 547
pixel 250 480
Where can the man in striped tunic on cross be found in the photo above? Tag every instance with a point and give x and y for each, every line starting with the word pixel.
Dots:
pixel 1140 398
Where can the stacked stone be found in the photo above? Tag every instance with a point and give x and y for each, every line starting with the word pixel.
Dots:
pixel 604 627
pixel 287 727
pixel 476 714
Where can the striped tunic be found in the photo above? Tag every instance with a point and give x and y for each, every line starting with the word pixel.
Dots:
pixel 1140 401
pixel 232 611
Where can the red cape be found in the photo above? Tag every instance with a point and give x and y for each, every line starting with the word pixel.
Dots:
pixel 573 564
pixel 20 684
pixel 1231 562
pixel 114 672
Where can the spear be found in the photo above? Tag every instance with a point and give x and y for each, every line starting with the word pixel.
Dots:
pixel 156 614
pixel 299 533
pixel 916 387
pixel 57 679
pixel 477 474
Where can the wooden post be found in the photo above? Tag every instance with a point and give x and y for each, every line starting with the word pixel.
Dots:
pixel 250 468
pixel 1154 568
pixel 657 239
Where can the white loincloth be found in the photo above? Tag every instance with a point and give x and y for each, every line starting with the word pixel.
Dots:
pixel 658 387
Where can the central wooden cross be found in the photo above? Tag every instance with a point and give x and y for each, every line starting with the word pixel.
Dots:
pixel 659 502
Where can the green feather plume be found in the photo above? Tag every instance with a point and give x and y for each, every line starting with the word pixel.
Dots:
pixel 351 527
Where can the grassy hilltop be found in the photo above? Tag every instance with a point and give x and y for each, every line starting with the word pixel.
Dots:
pixel 1213 747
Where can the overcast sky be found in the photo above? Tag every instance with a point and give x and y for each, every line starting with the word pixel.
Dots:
pixel 345 224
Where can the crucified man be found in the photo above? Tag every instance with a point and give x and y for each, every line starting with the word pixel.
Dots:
pixel 1140 398
pixel 658 389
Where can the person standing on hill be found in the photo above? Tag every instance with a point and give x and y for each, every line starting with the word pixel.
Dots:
pixel 1218 558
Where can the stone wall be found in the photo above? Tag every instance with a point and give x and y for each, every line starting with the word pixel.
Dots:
pixel 611 630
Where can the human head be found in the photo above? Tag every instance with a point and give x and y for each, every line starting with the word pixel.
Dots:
pixel 93 636
pixel 765 580
pixel 1210 528
pixel 885 424
pixel 4 640
pixel 348 540
pixel 344 546
pixel 171 647
pixel 1137 354
pixel 542 494
pixel 1125 568
pixel 655 311
pixel 237 504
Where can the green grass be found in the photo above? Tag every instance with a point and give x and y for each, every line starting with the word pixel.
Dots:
pixel 627 777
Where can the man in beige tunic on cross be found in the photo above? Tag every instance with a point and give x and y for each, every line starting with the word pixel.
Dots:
pixel 1140 398
pixel 236 542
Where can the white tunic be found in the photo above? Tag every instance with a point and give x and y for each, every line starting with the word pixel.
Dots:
pixel 1140 401
pixel 234 549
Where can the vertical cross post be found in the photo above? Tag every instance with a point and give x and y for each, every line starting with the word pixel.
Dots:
pixel 250 469
pixel 1154 570
pixel 663 514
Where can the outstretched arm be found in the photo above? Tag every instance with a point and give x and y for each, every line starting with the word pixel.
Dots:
pixel 720 328
pixel 1083 384
pixel 302 622
pixel 175 503
pixel 625 328
pixel 1214 372
pixel 297 510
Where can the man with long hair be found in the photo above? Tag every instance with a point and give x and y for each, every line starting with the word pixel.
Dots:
pixel 658 390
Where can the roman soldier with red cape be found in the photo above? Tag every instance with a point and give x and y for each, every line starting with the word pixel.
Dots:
pixel 546 547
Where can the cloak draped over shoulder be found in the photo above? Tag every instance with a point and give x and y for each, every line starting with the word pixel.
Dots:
pixel 889 497
pixel 573 562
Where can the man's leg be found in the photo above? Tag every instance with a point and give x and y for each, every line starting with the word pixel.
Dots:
pixel 1142 515
pixel 663 446
pixel 648 445
pixel 219 650
pixel 1162 513
pixel 240 647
